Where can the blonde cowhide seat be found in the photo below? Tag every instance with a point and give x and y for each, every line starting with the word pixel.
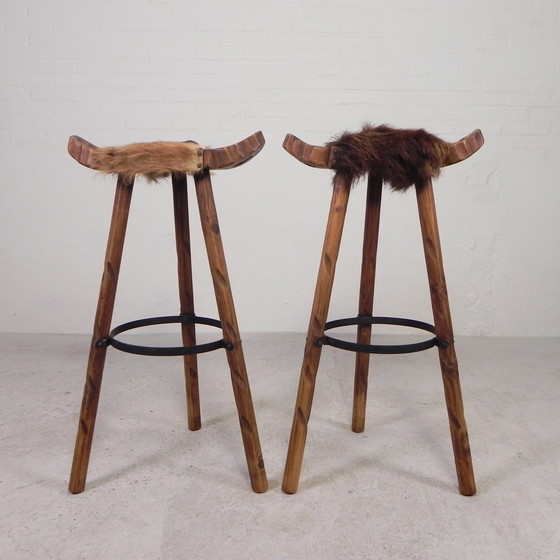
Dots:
pixel 400 158
pixel 155 161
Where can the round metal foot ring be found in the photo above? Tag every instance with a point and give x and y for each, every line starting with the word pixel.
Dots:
pixel 164 350
pixel 379 348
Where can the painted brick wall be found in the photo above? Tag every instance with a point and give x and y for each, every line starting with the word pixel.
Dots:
pixel 122 71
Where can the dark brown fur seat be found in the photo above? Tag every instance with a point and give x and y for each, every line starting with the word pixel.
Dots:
pixel 399 157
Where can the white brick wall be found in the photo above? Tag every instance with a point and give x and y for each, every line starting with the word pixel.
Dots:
pixel 122 71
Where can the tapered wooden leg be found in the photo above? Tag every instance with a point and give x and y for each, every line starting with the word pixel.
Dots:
pixel 365 306
pixel 101 330
pixel 312 355
pixel 444 332
pixel 186 295
pixel 230 329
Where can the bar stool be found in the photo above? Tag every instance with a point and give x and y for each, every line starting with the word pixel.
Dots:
pixel 156 160
pixel 400 158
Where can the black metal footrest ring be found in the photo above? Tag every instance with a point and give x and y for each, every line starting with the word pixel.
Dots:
pixel 380 348
pixel 164 350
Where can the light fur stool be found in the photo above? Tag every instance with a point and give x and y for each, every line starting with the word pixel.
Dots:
pixel 156 160
pixel 400 158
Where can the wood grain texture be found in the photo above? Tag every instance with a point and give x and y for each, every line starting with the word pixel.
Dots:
pixel 316 329
pixel 465 148
pixel 444 332
pixel 234 155
pixel 186 295
pixel 228 320
pixel 102 326
pixel 81 150
pixel 365 305
pixel 314 156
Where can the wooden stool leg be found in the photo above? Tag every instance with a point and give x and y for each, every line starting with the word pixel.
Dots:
pixel 312 355
pixel 101 330
pixel 365 307
pixel 444 332
pixel 186 295
pixel 230 329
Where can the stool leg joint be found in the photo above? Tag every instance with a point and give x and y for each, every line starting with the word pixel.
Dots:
pixel 319 341
pixel 229 345
pixel 103 343
pixel 440 343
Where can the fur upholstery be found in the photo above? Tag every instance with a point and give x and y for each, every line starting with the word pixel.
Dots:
pixel 153 160
pixel 398 157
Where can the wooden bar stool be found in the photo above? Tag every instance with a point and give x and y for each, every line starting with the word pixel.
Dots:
pixel 154 161
pixel 400 158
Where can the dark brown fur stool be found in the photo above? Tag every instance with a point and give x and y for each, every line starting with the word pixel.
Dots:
pixel 402 159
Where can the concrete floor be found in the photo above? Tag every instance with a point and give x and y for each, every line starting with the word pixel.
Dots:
pixel 156 491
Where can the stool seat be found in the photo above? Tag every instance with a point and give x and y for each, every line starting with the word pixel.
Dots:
pixel 157 160
pixel 325 156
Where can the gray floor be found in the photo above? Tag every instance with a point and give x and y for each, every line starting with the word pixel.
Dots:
pixel 156 491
